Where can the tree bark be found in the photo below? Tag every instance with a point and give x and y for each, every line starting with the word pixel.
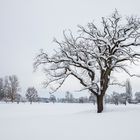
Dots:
pixel 99 103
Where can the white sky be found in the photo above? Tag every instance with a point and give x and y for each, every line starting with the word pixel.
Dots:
pixel 29 25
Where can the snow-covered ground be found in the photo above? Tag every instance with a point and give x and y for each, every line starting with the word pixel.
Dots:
pixel 68 122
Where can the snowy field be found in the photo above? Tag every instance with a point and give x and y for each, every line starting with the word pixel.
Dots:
pixel 68 122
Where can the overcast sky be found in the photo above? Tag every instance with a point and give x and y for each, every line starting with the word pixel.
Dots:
pixel 29 25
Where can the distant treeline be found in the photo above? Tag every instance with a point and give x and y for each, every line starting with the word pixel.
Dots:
pixel 10 92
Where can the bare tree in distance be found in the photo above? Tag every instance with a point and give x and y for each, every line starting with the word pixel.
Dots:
pixel 6 88
pixel 1 89
pixel 9 88
pixel 68 97
pixel 52 98
pixel 14 87
pixel 31 94
pixel 93 55
pixel 128 90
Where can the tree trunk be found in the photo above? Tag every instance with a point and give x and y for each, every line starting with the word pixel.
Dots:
pixel 99 103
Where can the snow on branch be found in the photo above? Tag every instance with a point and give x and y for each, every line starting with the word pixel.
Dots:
pixel 94 52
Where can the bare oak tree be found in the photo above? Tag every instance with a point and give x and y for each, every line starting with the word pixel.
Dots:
pixel 93 55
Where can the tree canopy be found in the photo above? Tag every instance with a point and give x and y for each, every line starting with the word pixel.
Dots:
pixel 93 54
